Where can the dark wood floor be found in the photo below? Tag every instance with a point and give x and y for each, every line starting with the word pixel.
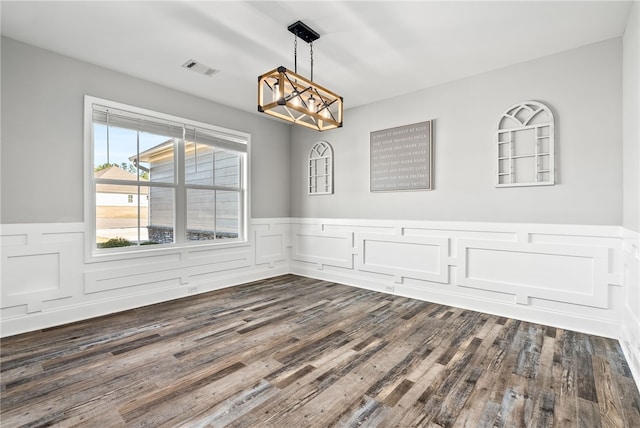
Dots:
pixel 298 352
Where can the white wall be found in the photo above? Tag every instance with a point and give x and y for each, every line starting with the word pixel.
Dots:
pixel 631 120
pixel 581 86
pixel 42 131
pixel 630 332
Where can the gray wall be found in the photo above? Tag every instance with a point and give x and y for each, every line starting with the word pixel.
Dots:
pixel 42 161
pixel 42 134
pixel 631 120
pixel 582 87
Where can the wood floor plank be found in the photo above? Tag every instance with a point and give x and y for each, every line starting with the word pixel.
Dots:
pixel 235 394
pixel 608 402
pixel 470 406
pixel 300 352
pixel 588 414
pixel 563 381
pixel 293 394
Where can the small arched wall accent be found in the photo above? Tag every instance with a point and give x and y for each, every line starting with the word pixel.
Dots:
pixel 321 169
pixel 525 146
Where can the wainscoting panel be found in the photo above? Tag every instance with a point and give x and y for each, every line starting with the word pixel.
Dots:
pixel 46 280
pixel 323 248
pixel 560 273
pixel 182 271
pixel 35 270
pixel 404 257
pixel 271 245
pixel 630 332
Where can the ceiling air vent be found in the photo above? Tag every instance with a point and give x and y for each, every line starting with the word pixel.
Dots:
pixel 199 68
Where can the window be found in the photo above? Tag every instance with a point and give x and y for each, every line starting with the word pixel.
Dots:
pixel 156 179
pixel 525 142
pixel 321 169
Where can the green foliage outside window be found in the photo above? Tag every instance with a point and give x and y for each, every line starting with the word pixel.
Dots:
pixel 115 242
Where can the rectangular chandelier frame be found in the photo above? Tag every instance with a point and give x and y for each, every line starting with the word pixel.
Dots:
pixel 285 94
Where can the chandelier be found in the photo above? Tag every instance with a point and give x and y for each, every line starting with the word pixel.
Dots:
pixel 287 95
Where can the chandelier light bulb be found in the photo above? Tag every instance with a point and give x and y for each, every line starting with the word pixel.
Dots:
pixel 325 111
pixel 312 104
pixel 295 98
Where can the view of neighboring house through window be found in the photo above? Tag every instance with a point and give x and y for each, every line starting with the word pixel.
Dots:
pixel 159 179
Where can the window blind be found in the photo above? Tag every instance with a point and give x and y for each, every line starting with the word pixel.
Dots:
pixel 139 122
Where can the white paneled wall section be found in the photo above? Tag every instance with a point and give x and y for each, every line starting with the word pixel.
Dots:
pixel 630 331
pixel 45 281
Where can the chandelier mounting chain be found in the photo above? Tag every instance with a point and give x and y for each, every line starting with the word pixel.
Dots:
pixel 311 55
pixel 295 53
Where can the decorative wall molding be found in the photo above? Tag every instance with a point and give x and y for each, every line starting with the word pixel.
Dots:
pixel 322 248
pixel 630 331
pixel 46 280
pixel 565 273
pixel 182 271
pixel 271 246
pixel 39 265
pixel 423 258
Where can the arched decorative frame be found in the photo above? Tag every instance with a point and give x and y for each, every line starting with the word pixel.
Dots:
pixel 320 169
pixel 525 146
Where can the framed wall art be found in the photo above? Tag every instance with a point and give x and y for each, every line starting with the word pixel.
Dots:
pixel 401 158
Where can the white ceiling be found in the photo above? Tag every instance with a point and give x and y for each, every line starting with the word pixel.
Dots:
pixel 367 51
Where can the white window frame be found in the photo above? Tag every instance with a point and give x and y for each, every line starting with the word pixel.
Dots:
pixel 94 254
